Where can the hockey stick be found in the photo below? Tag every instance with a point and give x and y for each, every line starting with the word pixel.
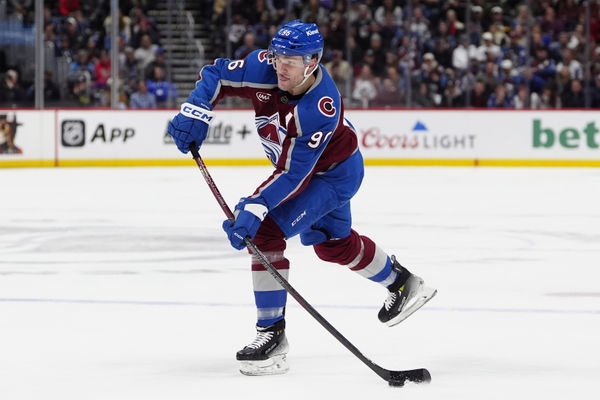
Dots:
pixel 394 378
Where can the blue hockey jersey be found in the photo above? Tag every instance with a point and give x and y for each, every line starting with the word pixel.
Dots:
pixel 301 135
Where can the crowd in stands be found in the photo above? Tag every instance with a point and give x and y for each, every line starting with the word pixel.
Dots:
pixel 438 53
pixel 381 53
pixel 77 38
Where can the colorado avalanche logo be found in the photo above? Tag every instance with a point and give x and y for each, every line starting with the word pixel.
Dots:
pixel 271 135
pixel 326 106
pixel 262 56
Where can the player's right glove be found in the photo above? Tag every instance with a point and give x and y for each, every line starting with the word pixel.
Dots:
pixel 249 213
pixel 190 125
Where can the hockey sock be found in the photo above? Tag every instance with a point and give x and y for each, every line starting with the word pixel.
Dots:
pixel 361 255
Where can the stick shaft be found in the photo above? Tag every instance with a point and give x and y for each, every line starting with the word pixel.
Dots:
pixel 382 372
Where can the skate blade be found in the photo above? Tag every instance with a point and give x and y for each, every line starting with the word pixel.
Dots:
pixel 423 295
pixel 275 365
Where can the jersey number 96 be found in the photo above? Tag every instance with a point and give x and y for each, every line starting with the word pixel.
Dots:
pixel 317 138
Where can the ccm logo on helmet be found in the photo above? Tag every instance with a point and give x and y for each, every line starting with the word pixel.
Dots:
pixel 326 106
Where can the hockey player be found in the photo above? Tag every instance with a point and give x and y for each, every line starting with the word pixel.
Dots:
pixel 317 170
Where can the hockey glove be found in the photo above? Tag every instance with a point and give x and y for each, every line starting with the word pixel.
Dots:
pixel 249 213
pixel 190 125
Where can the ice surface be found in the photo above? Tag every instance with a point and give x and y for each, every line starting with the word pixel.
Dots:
pixel 120 284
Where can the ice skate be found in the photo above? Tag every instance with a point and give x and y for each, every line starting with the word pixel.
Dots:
pixel 404 298
pixel 266 355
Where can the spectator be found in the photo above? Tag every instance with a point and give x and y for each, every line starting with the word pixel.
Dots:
pixel 362 27
pixel 393 74
pixel 388 8
pixel 142 98
pixel 573 96
pixel 423 97
pixel 568 13
pixel 390 32
pixel 159 61
pixel 498 19
pixel 419 25
pixel 443 45
pixel 92 48
pixel 102 69
pixel 74 35
pixel 461 54
pixel 129 67
pixel 378 54
pixel 314 13
pixel 429 65
pixel 388 95
pixel 124 25
pixel 476 25
pixel 236 30
pixel 542 66
pixel 146 52
pixel 164 90
pixel 11 91
pixel 550 25
pixel 479 95
pixel 499 36
pixel 80 90
pixel 261 29
pixel 452 96
pixel 343 70
pixel 570 62
pixel 548 99
pixel 563 79
pixel 524 100
pixel 337 35
pixel 508 77
pixel 488 46
pixel 500 98
pixel 66 7
pixel 455 27
pixel 248 46
pixel 51 90
pixel 516 50
pixel 365 88
pixel 368 59
pixel 595 26
pixel 82 65
pixel 144 27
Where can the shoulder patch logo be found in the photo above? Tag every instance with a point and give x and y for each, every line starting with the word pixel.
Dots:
pixel 326 106
pixel 264 97
pixel 262 56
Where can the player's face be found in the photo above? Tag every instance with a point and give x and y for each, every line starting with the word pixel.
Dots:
pixel 290 71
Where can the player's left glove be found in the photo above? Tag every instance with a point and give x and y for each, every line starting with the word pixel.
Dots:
pixel 190 125
pixel 249 213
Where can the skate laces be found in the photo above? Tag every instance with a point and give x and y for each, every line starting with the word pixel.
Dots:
pixel 391 299
pixel 261 339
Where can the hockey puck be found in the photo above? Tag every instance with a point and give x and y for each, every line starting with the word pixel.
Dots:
pixel 393 382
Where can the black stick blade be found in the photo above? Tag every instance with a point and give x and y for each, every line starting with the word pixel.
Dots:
pixel 399 378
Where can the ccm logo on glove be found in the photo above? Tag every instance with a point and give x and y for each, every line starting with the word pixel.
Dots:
pixel 199 113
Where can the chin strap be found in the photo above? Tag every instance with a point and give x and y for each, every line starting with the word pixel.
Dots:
pixel 306 75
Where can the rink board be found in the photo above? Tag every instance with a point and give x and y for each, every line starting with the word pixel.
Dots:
pixel 387 137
